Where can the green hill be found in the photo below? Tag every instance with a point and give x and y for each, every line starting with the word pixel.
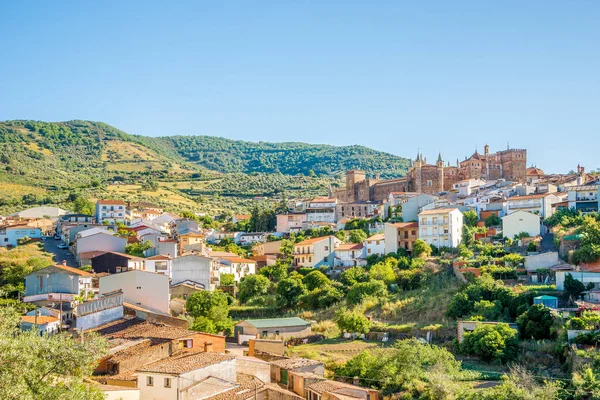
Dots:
pixel 47 163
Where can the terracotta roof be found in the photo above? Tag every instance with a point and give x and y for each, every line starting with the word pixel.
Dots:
pixel 238 259
pixel 313 240
pixel 72 270
pixel 528 197
pixel 292 363
pixel 159 257
pixel 247 385
pixel 41 320
pixel 349 246
pixel 120 202
pixel 138 329
pixel 265 257
pixel 90 254
pixel 323 200
pixel 534 171
pixel 438 211
pixel 132 351
pixel 379 236
pixel 328 386
pixel 242 216
pixel 406 224
pixel 185 362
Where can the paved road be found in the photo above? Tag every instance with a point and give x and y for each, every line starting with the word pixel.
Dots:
pixel 57 254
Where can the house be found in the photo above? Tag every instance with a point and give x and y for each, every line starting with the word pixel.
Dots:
pixel 533 174
pixel 141 288
pixel 173 377
pixel 237 266
pixel 400 235
pixel 334 390
pixel 350 255
pixel 466 187
pixel 11 234
pixel 536 203
pixel 263 261
pixel 240 217
pixel 282 328
pixel 375 245
pixel 521 221
pixel 68 231
pixel 292 222
pixel 268 248
pixel 56 283
pixel 586 277
pixel 316 252
pixel 250 238
pixel 441 227
pixel 113 262
pixel 359 209
pixel 76 218
pixel 583 198
pixel 321 209
pixel 42 323
pixel 102 241
pixel 161 264
pixel 413 205
pixel 110 211
pixel 281 369
pixel 195 268
pixel 190 240
pixel 111 392
pixel 183 290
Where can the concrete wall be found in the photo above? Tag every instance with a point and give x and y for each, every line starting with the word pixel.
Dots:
pixel 101 242
pixel 267 346
pixel 193 268
pixel 520 221
pixel 585 277
pixel 146 289
pixel 541 261
pixel 125 394
pixel 254 367
pixel 284 332
pixel 95 319
pixel 412 208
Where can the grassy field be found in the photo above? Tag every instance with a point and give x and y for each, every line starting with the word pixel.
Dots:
pixel 174 199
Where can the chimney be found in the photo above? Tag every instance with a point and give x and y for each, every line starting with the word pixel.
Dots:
pixel 207 347
pixel 377 176
pixel 355 381
pixel 64 263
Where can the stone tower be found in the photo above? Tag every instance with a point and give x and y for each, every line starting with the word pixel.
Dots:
pixel 440 171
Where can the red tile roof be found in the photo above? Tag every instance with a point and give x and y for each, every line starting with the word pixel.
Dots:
pixel 185 362
pixel 312 241
pixel 119 202
pixel 41 320
pixel 72 270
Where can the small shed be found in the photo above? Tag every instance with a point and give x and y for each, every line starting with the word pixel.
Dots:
pixel 548 301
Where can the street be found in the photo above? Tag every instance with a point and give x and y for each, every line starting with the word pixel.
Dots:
pixel 59 255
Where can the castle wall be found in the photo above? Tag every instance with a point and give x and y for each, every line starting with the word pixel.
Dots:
pixel 381 190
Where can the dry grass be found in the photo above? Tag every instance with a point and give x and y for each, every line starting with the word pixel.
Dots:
pixel 332 352
pixel 15 190
pixel 165 195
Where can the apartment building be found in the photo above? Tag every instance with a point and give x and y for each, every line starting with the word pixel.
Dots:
pixel 441 227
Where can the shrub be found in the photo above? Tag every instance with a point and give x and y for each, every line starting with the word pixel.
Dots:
pixel 536 323
pixel 421 248
pixel 360 291
pixel 352 322
pixel 491 342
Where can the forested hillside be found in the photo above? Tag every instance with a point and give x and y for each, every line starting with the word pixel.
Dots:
pixel 47 163
pixel 289 158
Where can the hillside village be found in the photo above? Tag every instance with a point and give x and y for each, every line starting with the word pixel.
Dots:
pixel 483 264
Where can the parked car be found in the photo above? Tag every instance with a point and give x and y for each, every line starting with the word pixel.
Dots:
pixel 56 237
pixel 62 246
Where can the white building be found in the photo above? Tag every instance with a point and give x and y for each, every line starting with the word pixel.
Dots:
pixel 200 270
pixel 161 264
pixel 584 277
pixel 179 377
pixel 521 221
pixel 316 252
pixel 536 203
pixel 112 211
pixel 140 288
pixel 441 227
pixel 102 241
pixel 350 255
pixel 375 245
pixel 10 235
pixel 321 210
pixel 467 186
pixel 583 198
pixel 250 238
pixel 237 266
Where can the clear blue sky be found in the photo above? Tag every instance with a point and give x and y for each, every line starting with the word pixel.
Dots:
pixel 393 75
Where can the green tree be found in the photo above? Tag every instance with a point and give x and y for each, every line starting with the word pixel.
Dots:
pixel 352 322
pixel 138 248
pixel 488 310
pixel 587 384
pixel 361 291
pixel 315 280
pixel 470 218
pixel 341 235
pixel 290 290
pixel 421 248
pixel 83 205
pixel 212 306
pixel 320 298
pixel 573 286
pixel 287 249
pixel 536 323
pixel 46 367
pixel 253 287
pixel 492 220
pixel 357 236
pixel 354 275
pixel 491 342
pixel 275 272
pixel 513 259
pixel 227 279
pixel 383 271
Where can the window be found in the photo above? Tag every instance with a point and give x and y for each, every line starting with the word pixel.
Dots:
pixel 149 381
pixel 429 183
pixel 369 251
pixel 276 333
pixel 326 248
pixel 405 234
pixel 118 269
pixel 167 382
pixel 265 333
pixel 378 242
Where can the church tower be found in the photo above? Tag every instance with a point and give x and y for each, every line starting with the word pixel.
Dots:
pixel 440 173
pixel 417 172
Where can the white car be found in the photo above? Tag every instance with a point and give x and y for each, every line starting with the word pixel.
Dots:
pixel 62 246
